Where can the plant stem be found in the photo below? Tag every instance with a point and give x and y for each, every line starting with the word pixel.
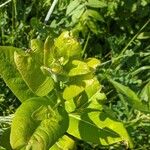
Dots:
pixel 134 37
pixel 86 43
pixel 50 11
pixel 140 69
pixel 2 5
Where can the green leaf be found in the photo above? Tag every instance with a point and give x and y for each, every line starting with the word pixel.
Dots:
pixel 132 98
pixel 73 5
pixel 143 35
pixel 49 52
pixel 68 46
pixel 29 68
pixel 145 94
pixel 96 3
pixel 72 91
pixel 64 143
pixel 4 139
pixel 93 26
pixel 37 47
pixel 2 148
pixel 11 75
pixel 78 68
pixel 97 127
pixel 94 97
pixel 82 94
pixel 92 62
pixel 37 126
pixel 95 15
pixel 96 101
pixel 77 13
pixel 92 86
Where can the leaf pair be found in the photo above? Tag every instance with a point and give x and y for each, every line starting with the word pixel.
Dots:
pixel 82 85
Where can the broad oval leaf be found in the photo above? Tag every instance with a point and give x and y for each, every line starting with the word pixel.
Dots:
pixel 11 75
pixel 97 127
pixel 29 68
pixel 90 86
pixel 37 126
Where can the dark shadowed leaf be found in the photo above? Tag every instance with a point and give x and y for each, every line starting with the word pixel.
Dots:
pixel 145 94
pixel 4 139
pixel 131 96
pixel 97 127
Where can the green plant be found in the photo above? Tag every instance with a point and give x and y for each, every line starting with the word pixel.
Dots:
pixel 112 25
pixel 60 96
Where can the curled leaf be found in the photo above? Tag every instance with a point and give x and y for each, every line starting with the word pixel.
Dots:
pixel 37 126
pixel 29 68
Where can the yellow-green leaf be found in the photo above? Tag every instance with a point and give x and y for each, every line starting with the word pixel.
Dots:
pixel 37 126
pixel 11 75
pixel 92 62
pixel 97 127
pixel 72 91
pixel 79 68
pixel 29 68
pixel 68 46
pixel 64 143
